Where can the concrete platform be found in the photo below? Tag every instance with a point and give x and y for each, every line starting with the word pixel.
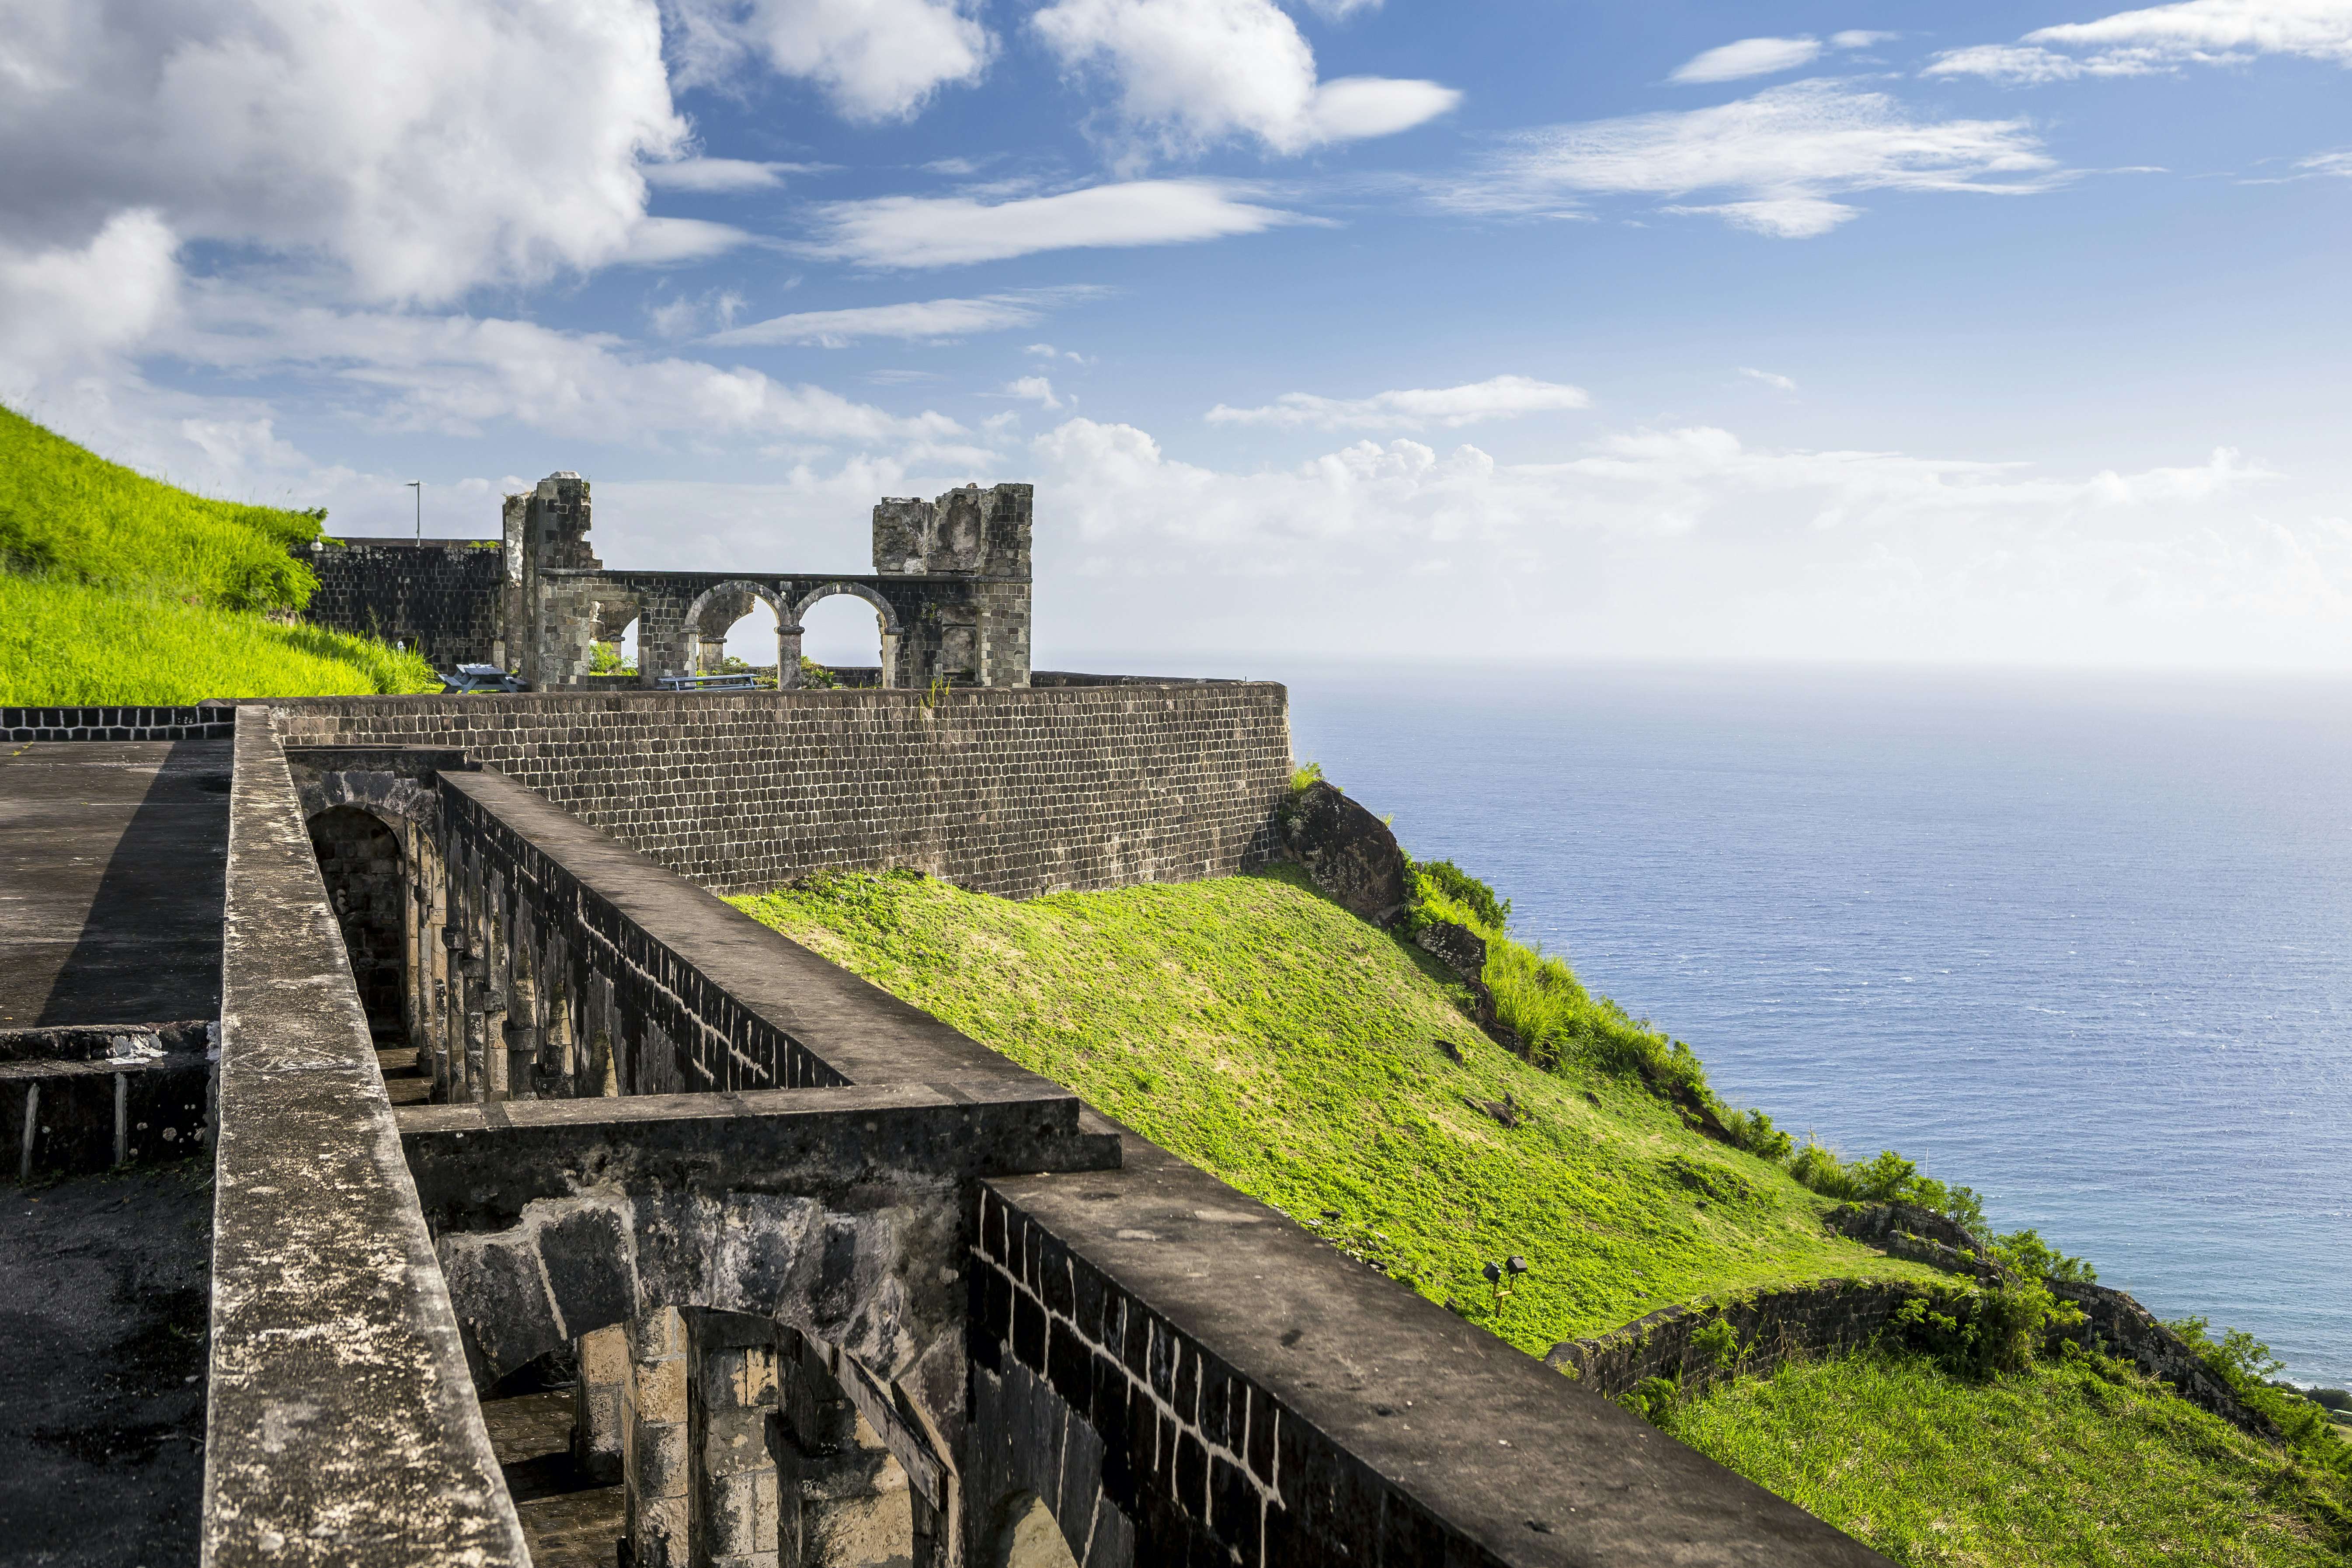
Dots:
pixel 112 859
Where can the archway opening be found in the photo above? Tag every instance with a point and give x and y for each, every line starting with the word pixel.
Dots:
pixel 361 861
pixel 612 655
pixel 751 641
pixel 843 634
pixel 1026 1536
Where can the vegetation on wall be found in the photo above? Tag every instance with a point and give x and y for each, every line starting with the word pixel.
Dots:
pixel 117 588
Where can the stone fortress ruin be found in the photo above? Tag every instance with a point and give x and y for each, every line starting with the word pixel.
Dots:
pixel 949 591
pixel 498 1088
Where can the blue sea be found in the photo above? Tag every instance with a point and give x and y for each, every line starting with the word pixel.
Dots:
pixel 2082 942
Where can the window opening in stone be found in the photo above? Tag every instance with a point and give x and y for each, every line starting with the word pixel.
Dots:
pixel 843 634
pixel 360 860
pixel 614 651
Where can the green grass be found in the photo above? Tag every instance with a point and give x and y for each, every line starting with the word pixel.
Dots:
pixel 68 514
pixel 1264 1033
pixel 116 588
pixel 2079 1462
pixel 66 644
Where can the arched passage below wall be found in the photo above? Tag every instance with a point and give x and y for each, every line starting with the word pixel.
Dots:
pixel 361 862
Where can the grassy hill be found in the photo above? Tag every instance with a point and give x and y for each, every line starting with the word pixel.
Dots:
pixel 1267 1035
pixel 115 587
pixel 1261 1031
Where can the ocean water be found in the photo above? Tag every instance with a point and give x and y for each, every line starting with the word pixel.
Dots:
pixel 2084 943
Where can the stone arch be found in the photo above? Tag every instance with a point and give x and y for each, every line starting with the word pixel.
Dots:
pixel 364 866
pixel 732 598
pixel 1024 1533
pixel 788 629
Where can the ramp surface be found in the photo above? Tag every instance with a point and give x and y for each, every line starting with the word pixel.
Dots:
pixel 112 859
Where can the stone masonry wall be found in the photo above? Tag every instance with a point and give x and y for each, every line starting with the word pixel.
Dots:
pixel 440 597
pixel 1016 791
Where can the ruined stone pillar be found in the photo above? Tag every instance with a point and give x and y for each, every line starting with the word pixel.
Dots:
pixel 597 1399
pixel 788 656
pixel 654 1473
pixel 730 1389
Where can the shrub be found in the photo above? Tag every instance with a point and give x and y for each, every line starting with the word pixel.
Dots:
pixel 1985 1332
pixel 1490 913
pixel 2028 1254
pixel 1753 1130
pixel 1819 1168
pixel 1306 776
pixel 2245 1363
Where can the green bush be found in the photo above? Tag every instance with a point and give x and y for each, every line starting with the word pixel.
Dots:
pixel 1492 914
pixel 2246 1365
pixel 1983 1331
pixel 1753 1130
pixel 2028 1254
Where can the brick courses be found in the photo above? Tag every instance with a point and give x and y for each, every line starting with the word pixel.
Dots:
pixel 1015 791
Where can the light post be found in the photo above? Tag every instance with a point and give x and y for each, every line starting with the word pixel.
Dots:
pixel 418 486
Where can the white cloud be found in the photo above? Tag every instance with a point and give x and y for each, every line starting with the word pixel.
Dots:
pixel 1749 57
pixel 1686 543
pixel 916 321
pixel 2162 38
pixel 1194 74
pixel 460 376
pixel 1340 10
pixel 64 307
pixel 712 175
pixel 1777 382
pixel 1450 408
pixel 1032 389
pixel 874 60
pixel 420 149
pixel 1859 39
pixel 1048 350
pixel 950 231
pixel 2329 164
pixel 1780 156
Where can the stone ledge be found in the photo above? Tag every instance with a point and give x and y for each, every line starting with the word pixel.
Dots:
pixel 1399 1432
pixel 342 1427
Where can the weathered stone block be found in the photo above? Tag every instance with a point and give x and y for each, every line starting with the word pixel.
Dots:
pixel 1346 851
pixel 587 1260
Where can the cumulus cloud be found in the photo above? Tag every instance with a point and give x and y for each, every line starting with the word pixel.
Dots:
pixel 874 60
pixel 1782 158
pixel 950 231
pixel 1195 74
pixel 421 151
pixel 1749 57
pixel 2163 38
pixel 916 321
pixel 1034 389
pixel 63 307
pixel 1415 409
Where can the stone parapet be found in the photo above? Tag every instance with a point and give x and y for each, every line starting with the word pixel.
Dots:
pixel 117 724
pixel 1009 791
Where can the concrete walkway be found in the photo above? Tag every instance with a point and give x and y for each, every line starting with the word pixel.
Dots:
pixel 111 857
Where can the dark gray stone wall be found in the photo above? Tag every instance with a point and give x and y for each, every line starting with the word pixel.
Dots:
pixel 1017 791
pixel 117 724
pixel 441 596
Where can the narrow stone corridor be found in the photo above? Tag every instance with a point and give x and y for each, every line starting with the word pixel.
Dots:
pixel 568 1519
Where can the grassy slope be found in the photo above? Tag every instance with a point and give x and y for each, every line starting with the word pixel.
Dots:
pixel 117 588
pixel 1263 1032
pixel 2080 1462
pixel 64 644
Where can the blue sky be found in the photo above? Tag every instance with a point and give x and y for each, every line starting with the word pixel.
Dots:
pixel 2010 334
